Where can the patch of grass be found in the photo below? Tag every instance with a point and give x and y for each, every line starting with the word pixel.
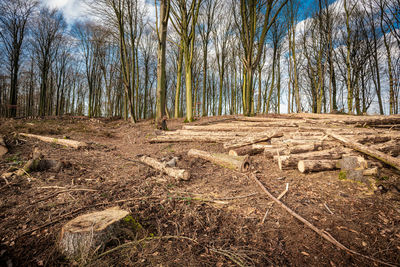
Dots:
pixel 342 175
pixel 132 223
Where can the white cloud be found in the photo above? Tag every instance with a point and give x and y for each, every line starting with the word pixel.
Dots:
pixel 72 9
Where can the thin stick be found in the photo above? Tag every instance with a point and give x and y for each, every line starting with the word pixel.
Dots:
pixel 326 206
pixel 272 203
pixel 323 234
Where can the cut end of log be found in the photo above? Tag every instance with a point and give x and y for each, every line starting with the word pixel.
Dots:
pixel 245 165
pixel 86 233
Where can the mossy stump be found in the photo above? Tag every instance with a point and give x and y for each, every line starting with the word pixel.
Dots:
pixel 90 232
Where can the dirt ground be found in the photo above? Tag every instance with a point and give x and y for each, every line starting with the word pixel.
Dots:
pixel 214 219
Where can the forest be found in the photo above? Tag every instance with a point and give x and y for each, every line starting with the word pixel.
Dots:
pixel 138 60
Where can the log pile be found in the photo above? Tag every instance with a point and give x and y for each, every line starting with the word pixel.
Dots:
pixel 307 142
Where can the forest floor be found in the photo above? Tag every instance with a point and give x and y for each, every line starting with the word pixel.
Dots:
pixel 215 218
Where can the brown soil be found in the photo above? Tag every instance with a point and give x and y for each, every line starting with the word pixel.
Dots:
pixel 224 232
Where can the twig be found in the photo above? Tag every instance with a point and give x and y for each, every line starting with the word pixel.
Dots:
pixel 326 206
pixel 323 234
pixel 272 203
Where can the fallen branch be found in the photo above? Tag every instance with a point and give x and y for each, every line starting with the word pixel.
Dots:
pixel 64 142
pixel 272 203
pixel 321 233
pixel 173 172
pixel 394 162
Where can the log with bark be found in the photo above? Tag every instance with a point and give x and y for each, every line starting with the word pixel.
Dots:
pixel 286 162
pixel 392 148
pixel 39 163
pixel 64 142
pixel 247 150
pixel 3 147
pixel 90 232
pixel 317 165
pixel 394 162
pixel 239 163
pixel 249 140
pixel 178 174
pixel 225 127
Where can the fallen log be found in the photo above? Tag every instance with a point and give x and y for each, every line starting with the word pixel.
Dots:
pixel 187 138
pixel 247 150
pixel 225 127
pixel 90 232
pixel 291 161
pixel 178 174
pixel 394 162
pixel 305 166
pixel 3 147
pixel 64 142
pixel 245 141
pixel 392 148
pixel 239 163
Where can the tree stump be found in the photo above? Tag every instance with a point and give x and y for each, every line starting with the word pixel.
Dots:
pixel 89 232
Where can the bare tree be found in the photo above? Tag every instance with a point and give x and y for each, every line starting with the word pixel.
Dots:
pixel 14 17
pixel 161 62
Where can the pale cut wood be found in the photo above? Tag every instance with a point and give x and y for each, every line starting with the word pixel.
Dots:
pixel 290 161
pixel 251 140
pixel 64 142
pixel 305 166
pixel 229 127
pixel 247 150
pixel 394 162
pixel 178 174
pixel 87 233
pixel 206 133
pixel 239 163
pixel 3 148
pixel 371 172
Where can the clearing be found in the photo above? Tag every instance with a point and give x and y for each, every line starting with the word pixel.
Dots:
pixel 217 217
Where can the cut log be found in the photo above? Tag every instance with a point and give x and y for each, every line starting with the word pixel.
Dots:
pixel 247 150
pixel 245 141
pixel 269 153
pixel 205 133
pixel 178 174
pixel 394 162
pixel 392 148
pixel 64 142
pixel 3 147
pixel 226 127
pixel 38 163
pixel 305 166
pixel 291 161
pixel 188 138
pixel 239 163
pixel 305 148
pixel 87 233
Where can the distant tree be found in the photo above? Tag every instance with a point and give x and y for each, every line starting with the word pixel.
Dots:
pixel 46 38
pixel 14 18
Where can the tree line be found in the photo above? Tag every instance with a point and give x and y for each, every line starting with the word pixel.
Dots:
pixel 188 58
